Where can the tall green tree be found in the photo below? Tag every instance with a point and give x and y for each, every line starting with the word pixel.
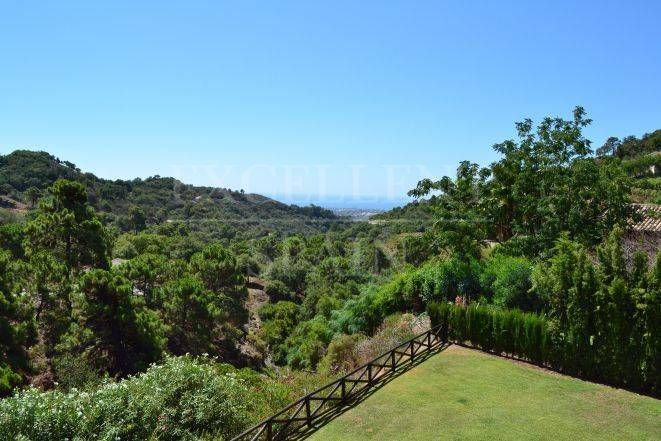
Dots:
pixel 194 315
pixel 147 272
pixel 137 218
pixel 218 269
pixel 581 309
pixel 115 332
pixel 544 184
pixel 610 147
pixel 459 211
pixel 651 314
pixel 45 281
pixel 14 328
pixel 548 184
pixel 67 226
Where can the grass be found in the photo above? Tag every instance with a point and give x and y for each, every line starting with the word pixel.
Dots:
pixel 466 394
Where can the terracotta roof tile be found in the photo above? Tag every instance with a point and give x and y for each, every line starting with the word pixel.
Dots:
pixel 651 214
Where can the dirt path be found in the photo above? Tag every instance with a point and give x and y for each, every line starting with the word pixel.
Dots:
pixel 256 298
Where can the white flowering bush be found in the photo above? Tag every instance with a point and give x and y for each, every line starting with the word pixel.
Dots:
pixel 183 398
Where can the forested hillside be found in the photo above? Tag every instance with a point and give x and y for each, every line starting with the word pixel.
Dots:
pixel 126 306
pixel 641 158
pixel 132 205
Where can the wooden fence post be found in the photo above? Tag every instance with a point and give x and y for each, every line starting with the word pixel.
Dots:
pixel 307 411
pixel 344 390
pixel 280 431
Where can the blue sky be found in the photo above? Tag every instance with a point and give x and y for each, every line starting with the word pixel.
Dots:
pixel 315 99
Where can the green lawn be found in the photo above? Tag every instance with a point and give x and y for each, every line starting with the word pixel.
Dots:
pixel 465 394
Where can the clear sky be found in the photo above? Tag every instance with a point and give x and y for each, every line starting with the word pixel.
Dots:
pixel 311 98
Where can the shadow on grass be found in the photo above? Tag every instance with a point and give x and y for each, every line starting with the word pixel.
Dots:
pixel 333 412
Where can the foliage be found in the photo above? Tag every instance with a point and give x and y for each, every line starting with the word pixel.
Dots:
pixel 306 345
pixel 408 291
pixel 631 147
pixel 44 281
pixel 346 352
pixel 278 291
pixel 183 398
pixel 67 226
pixel 368 258
pixel 216 213
pixel 602 323
pixel 148 272
pixel 641 160
pixel 544 184
pixel 193 315
pixel 11 238
pixel 115 334
pixel 506 281
pixel 459 213
pixel 278 321
pixel 217 268
pixel 417 249
pixel 291 272
pixel 13 358
pixel 341 355
pixel 514 332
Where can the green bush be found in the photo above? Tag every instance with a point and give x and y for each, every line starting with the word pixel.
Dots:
pixel 307 343
pixel 278 320
pixel 410 291
pixel 506 280
pixel 278 291
pixel 183 398
pixel 8 379
pixel 341 354
pixel 76 372
pixel 513 332
pixel 346 352
pixel 124 248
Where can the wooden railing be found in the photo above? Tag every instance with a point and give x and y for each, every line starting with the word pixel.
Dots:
pixel 305 414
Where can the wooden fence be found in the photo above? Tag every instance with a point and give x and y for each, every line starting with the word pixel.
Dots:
pixel 306 413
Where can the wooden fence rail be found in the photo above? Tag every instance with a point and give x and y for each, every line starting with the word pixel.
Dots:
pixel 301 415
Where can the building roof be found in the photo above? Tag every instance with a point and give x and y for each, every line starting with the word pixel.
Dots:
pixel 651 218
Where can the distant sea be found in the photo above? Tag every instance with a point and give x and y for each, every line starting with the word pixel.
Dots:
pixel 343 202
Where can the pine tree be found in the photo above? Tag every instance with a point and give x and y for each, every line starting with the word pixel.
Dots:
pixel 13 336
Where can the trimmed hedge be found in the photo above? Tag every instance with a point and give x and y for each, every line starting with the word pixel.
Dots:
pixel 520 334
pixel 533 338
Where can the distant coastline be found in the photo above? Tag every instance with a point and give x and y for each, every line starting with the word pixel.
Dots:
pixel 335 203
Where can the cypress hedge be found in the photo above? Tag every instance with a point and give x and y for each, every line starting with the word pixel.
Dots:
pixel 533 338
pixel 520 334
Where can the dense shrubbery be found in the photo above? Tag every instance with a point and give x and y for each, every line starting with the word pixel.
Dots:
pixel 213 213
pixel 506 281
pixel 114 332
pixel 346 352
pixel 603 322
pixel 67 317
pixel 13 330
pixel 524 335
pixel 307 343
pixel 184 398
pixel 544 183
pixel 410 290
